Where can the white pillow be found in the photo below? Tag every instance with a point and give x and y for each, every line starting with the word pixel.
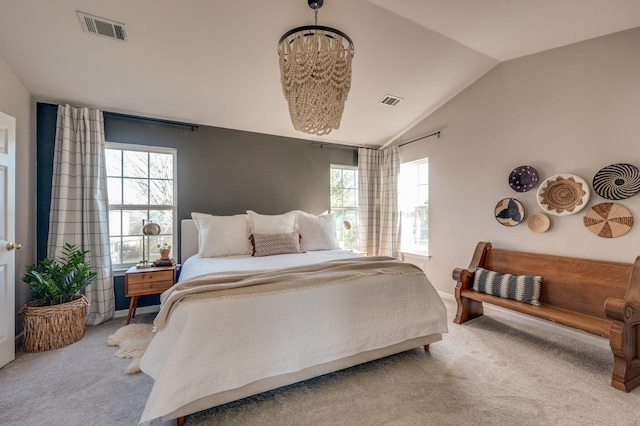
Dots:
pixel 317 232
pixel 271 224
pixel 222 235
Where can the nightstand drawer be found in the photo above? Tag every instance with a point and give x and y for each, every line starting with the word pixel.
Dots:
pixel 151 282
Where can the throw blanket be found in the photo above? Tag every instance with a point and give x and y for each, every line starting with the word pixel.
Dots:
pixel 251 282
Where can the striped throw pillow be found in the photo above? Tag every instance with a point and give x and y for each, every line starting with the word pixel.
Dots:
pixel 523 288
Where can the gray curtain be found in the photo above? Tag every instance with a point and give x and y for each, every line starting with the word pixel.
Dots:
pixel 79 203
pixel 378 216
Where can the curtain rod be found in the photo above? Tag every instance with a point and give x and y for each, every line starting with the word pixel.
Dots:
pixel 422 137
pixel 334 145
pixel 193 127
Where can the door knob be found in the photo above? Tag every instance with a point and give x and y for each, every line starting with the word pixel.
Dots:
pixel 11 246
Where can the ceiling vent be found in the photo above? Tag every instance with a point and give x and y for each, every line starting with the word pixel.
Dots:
pixel 390 101
pixel 104 27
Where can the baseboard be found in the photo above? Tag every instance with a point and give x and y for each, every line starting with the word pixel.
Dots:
pixel 517 317
pixel 143 310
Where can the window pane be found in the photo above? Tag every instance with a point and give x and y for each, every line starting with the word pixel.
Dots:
pixel 336 177
pixel 116 244
pixel 136 191
pixel 114 188
pixel 131 249
pixel 349 178
pixel 161 192
pixel 113 161
pixel 160 166
pixel 164 218
pixel 423 195
pixel 132 221
pixel 115 222
pixel 135 164
pixel 423 173
pixel 349 198
pixel 336 197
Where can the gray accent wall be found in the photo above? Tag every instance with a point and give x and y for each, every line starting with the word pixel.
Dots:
pixel 219 171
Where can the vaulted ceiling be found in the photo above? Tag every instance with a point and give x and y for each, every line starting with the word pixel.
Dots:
pixel 215 62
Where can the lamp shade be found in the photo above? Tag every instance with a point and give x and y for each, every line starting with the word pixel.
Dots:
pixel 151 228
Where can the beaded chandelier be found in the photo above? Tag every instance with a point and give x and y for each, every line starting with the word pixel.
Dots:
pixel 315 71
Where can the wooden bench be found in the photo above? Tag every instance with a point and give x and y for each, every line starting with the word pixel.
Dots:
pixel 599 297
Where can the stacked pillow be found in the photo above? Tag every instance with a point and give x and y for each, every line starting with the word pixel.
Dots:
pixel 264 235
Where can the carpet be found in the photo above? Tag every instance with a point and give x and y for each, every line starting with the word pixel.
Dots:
pixel 133 340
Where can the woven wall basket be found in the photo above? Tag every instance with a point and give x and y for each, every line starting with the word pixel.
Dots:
pixel 48 327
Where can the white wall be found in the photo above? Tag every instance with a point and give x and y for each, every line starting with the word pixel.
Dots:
pixel 573 109
pixel 16 101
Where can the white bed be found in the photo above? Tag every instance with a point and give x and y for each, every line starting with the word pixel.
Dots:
pixel 217 349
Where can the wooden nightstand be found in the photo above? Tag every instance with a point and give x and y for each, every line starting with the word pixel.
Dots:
pixel 146 281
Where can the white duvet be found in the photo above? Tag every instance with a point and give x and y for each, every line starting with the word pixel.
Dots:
pixel 215 345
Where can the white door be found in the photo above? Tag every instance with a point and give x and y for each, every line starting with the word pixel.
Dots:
pixel 7 235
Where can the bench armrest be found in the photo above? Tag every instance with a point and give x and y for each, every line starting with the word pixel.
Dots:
pixel 625 316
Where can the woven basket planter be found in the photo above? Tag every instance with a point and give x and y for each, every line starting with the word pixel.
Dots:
pixel 48 327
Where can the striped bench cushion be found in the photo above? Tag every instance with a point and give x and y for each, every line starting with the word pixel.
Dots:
pixel 523 288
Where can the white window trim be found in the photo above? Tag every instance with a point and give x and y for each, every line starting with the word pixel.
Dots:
pixel 416 252
pixel 121 267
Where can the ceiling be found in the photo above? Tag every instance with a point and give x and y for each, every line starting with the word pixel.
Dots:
pixel 215 62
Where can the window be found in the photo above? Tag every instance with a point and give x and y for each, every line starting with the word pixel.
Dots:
pixel 142 186
pixel 413 200
pixel 344 203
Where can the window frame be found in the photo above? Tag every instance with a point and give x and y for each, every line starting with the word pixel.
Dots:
pixel 119 267
pixel 415 249
pixel 334 209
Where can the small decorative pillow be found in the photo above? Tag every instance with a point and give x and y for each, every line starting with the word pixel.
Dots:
pixel 270 244
pixel 523 288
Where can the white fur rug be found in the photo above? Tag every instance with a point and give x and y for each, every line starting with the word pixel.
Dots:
pixel 133 340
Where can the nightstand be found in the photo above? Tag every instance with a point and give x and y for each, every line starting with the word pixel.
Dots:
pixel 145 281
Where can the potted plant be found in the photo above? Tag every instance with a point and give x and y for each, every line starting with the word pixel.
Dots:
pixel 165 249
pixel 55 318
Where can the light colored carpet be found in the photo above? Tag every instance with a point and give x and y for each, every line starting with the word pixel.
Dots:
pixel 486 372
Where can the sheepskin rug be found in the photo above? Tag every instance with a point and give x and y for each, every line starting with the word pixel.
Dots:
pixel 133 340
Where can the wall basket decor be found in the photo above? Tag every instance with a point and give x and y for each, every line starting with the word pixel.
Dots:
pixel 523 178
pixel 509 212
pixel 563 194
pixel 608 220
pixel 617 181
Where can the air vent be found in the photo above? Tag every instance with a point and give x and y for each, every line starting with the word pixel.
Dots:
pixel 390 100
pixel 104 27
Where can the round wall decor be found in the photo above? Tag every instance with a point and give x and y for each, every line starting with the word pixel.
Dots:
pixel 563 194
pixel 617 181
pixel 509 212
pixel 538 222
pixel 608 220
pixel 523 178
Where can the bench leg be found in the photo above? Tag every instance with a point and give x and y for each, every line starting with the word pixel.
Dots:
pixel 624 339
pixel 467 309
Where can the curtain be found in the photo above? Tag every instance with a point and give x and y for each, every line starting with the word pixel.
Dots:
pixel 378 216
pixel 79 203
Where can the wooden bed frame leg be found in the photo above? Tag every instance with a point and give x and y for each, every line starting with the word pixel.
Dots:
pixel 426 348
pixel 181 420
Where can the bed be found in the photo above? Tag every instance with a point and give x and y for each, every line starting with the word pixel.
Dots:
pixel 235 326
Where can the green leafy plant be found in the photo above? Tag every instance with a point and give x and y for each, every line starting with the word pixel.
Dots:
pixel 58 280
pixel 164 246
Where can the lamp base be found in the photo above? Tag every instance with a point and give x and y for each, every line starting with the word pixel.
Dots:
pixel 143 264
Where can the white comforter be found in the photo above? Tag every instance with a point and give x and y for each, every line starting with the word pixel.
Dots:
pixel 211 346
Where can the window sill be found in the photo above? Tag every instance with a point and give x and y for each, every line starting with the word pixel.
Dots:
pixel 416 254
